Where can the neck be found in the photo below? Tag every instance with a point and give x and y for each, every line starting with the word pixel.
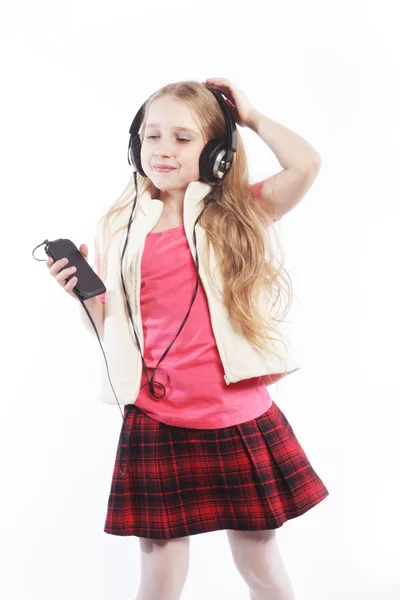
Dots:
pixel 172 199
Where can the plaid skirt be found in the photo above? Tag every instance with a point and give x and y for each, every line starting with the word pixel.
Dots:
pixel 184 481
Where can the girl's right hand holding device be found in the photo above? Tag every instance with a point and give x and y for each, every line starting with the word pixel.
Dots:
pixel 60 273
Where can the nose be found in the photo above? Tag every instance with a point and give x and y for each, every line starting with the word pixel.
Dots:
pixel 164 147
pixel 162 151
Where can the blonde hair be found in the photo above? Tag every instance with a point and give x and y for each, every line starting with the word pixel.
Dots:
pixel 236 225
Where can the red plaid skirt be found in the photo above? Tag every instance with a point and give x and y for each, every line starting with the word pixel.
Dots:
pixel 184 481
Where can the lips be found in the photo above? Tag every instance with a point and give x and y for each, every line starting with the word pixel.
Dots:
pixel 163 168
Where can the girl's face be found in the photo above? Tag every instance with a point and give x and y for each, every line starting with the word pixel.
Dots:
pixel 171 137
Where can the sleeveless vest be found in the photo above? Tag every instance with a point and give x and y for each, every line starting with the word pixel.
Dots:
pixel 240 359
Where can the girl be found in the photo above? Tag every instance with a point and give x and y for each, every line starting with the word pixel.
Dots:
pixel 205 446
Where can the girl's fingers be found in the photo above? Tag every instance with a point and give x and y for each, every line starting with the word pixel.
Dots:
pixel 84 250
pixel 225 91
pixel 57 266
pixel 62 275
pixel 217 80
pixel 71 284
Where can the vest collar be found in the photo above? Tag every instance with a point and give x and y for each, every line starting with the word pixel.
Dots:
pixel 195 192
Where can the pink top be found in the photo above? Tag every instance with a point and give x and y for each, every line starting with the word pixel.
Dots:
pixel 196 394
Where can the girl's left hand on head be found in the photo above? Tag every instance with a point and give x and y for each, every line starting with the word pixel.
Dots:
pixel 236 100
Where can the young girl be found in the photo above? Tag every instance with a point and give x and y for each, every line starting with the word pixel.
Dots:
pixel 205 446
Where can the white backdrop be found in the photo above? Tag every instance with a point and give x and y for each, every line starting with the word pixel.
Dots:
pixel 73 76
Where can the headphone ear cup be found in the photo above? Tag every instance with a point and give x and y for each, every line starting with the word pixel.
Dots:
pixel 136 147
pixel 208 160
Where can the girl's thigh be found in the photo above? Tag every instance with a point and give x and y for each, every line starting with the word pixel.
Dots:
pixel 163 559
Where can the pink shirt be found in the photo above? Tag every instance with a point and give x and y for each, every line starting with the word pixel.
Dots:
pixel 196 394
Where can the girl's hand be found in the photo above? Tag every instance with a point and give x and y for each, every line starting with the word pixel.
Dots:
pixel 60 273
pixel 238 103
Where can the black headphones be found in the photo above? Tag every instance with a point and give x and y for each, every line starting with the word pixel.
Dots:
pixel 216 157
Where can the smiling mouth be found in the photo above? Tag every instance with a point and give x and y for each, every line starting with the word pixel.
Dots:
pixel 164 169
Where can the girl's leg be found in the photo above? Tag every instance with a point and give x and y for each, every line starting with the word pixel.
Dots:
pixel 164 568
pixel 258 560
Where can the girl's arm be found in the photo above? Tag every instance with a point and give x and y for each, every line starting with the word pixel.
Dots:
pixel 291 150
pixel 300 161
pixel 95 306
pixel 96 310
pixel 284 190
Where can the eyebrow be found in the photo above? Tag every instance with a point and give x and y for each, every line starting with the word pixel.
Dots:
pixel 176 128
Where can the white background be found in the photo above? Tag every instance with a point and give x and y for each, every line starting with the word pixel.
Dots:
pixel 73 76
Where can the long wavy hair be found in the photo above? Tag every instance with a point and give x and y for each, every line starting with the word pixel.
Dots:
pixel 257 289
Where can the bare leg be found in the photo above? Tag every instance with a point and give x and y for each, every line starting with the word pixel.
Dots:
pixel 164 568
pixel 258 560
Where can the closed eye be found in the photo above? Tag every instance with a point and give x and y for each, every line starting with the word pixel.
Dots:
pixel 152 137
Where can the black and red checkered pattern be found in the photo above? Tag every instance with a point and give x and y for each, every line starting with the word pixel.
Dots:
pixel 183 481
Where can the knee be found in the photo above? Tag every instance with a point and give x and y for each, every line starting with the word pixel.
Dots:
pixel 256 556
pixel 164 568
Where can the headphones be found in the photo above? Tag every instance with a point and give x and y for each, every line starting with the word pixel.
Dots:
pixel 216 157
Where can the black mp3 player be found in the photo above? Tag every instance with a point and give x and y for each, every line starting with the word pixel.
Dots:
pixel 89 283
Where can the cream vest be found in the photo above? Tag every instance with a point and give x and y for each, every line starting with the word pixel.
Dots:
pixel 240 359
